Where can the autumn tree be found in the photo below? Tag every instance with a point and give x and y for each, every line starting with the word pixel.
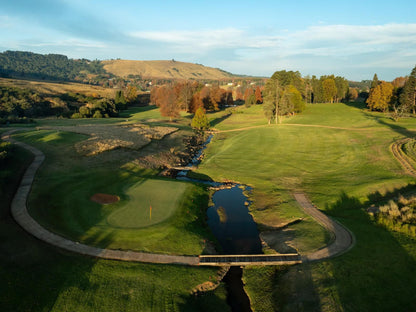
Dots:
pixel 352 94
pixel 168 103
pixel 329 90
pixel 380 96
pixel 184 91
pixel 259 98
pixel 131 94
pixel 229 100
pixel 239 94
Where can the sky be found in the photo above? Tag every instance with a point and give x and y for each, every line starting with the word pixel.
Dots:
pixel 353 39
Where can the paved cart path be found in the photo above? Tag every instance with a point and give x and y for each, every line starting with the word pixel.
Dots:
pixel 343 241
pixel 343 238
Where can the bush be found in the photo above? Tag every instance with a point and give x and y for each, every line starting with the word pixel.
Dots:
pixel 76 116
pixel 97 114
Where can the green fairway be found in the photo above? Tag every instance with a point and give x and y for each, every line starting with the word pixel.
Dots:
pixel 339 155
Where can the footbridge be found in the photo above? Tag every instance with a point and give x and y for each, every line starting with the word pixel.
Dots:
pixel 229 260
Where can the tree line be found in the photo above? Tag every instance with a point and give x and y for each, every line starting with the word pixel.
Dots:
pixel 20 105
pixel 286 93
pixel 51 67
pixel 398 96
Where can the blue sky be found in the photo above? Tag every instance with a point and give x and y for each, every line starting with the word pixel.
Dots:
pixel 354 39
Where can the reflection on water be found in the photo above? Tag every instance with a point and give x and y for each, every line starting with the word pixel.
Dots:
pixel 232 224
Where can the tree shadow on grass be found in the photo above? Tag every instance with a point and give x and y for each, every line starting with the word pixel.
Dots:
pixel 218 120
pixel 378 273
pixel 395 127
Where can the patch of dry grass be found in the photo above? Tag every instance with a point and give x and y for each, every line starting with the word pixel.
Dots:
pixel 54 88
pixel 109 137
pixel 163 69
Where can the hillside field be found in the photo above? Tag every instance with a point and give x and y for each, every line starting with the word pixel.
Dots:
pixel 164 70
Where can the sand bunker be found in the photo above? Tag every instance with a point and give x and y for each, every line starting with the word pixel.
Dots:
pixel 104 199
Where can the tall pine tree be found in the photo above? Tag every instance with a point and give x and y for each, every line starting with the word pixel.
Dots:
pixel 408 97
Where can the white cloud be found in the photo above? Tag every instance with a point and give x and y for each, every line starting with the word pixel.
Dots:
pixel 209 39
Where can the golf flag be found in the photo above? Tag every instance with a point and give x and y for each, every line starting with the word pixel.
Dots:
pixel 150 212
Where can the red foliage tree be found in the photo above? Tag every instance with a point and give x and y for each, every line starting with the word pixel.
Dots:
pixel 259 98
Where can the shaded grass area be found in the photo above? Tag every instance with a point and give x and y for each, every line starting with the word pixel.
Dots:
pixel 37 277
pixel 376 275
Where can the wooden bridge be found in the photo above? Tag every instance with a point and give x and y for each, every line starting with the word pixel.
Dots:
pixel 271 259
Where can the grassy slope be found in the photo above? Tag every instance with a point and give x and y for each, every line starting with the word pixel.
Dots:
pixel 37 277
pixel 163 69
pixel 54 88
pixel 341 170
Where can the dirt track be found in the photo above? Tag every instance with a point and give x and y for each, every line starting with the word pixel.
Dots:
pixel 402 158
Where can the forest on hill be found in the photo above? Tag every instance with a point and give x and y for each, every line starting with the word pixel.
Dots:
pixel 53 67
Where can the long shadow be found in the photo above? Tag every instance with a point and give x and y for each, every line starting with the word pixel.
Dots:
pixel 32 273
pixel 216 121
pixel 395 127
pixel 378 273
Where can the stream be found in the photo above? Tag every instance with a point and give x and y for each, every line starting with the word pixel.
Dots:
pixel 233 226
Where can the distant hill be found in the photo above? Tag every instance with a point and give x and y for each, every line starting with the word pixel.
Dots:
pixel 56 67
pixel 164 70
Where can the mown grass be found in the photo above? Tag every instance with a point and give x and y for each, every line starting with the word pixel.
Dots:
pixel 339 155
pixel 67 181
pixel 37 277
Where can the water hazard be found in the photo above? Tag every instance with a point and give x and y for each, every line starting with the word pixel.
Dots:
pixel 231 223
pixel 234 228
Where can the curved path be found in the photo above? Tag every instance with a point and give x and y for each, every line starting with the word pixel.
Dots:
pixel 23 218
pixel 343 239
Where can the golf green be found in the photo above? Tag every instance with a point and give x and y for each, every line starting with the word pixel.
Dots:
pixel 150 202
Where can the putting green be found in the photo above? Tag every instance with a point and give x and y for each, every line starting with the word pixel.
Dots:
pixel 150 202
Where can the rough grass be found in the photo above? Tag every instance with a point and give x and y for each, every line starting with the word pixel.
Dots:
pixel 109 137
pixel 54 88
pixel 163 69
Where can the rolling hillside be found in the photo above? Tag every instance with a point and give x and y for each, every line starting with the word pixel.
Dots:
pixel 163 70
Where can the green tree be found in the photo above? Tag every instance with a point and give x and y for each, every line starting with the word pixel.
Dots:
pixel 200 120
pixel 294 100
pixel 271 100
pixel 408 97
pixel 374 82
pixel 329 90
pixel 120 100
